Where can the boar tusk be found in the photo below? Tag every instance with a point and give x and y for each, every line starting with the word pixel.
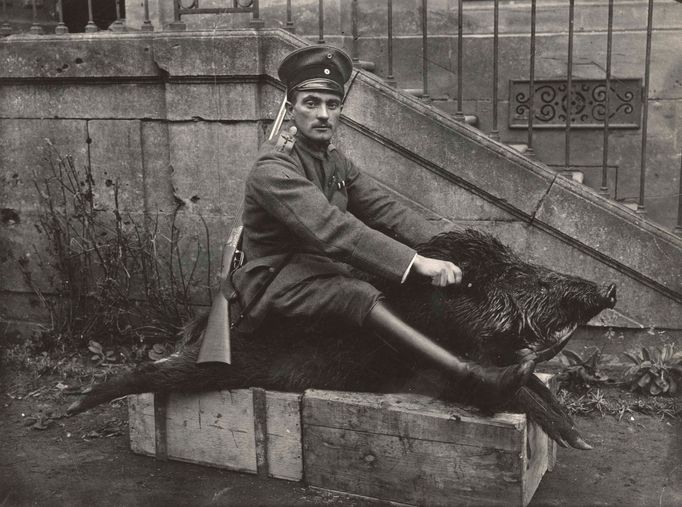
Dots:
pixel 553 350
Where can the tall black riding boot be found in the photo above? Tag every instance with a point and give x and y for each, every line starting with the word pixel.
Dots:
pixel 489 382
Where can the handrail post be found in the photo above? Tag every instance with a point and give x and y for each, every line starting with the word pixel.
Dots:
pixel 678 228
pixel 390 80
pixel 147 23
pixel 91 27
pixel 290 24
pixel 355 53
pixel 256 21
pixel 569 85
pixel 459 115
pixel 320 20
pixel 61 28
pixel 641 209
pixel 604 189
pixel 118 25
pixel 494 132
pixel 6 28
pixel 530 152
pixel 35 29
pixel 425 50
pixel 177 24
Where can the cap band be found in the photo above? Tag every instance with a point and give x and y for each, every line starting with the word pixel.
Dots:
pixel 318 85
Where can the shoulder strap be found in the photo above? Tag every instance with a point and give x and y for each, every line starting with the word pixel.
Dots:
pixel 285 143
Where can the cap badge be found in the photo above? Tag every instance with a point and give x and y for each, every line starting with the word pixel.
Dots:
pixel 326 71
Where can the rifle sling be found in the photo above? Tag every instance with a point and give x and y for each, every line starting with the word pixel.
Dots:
pixel 276 269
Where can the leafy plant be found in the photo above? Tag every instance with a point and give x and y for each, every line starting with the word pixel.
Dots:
pixel 99 355
pixel 580 373
pixel 656 370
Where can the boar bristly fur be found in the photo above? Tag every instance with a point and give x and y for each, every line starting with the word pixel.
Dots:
pixel 503 309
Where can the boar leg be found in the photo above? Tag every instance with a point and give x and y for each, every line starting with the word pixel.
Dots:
pixel 536 400
pixel 177 373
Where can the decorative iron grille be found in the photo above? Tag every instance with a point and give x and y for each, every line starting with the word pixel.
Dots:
pixel 588 103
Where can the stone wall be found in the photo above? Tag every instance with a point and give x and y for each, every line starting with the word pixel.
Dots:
pixel 664 138
pixel 176 119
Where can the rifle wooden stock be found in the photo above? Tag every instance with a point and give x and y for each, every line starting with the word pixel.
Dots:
pixel 215 347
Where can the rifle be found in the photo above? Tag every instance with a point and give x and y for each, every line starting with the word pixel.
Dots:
pixel 215 345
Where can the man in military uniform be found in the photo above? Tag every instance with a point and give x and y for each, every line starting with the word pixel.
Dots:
pixel 309 212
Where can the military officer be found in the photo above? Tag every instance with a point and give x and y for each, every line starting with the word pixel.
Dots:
pixel 309 212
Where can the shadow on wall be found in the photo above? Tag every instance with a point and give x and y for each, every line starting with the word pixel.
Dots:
pixel 103 14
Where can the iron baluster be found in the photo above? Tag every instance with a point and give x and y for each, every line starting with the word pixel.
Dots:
pixel 459 115
pixel 61 28
pixel 6 28
pixel 177 23
pixel 320 14
pixel 604 189
pixel 425 50
pixel 36 29
pixel 146 24
pixel 645 108
pixel 91 27
pixel 569 85
pixel 531 84
pixel 256 21
pixel 495 133
pixel 390 80
pixel 678 228
pixel 355 57
pixel 118 25
pixel 290 24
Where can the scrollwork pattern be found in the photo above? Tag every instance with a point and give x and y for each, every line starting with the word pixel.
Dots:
pixel 587 106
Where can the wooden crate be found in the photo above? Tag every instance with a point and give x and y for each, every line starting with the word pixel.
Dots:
pixel 403 448
pixel 219 429
pixel 417 450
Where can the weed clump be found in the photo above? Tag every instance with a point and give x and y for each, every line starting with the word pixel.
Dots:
pixel 117 282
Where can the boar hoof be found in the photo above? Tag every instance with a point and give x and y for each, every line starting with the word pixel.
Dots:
pixel 579 443
pixel 75 408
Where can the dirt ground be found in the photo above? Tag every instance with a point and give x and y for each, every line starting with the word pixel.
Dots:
pixel 85 460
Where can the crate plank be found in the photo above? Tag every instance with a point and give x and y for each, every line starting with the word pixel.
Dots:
pixel 141 423
pixel 413 416
pixel 217 428
pixel 416 450
pixel 407 470
pixel 284 451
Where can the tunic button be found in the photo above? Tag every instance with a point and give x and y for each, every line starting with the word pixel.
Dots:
pixel 271 269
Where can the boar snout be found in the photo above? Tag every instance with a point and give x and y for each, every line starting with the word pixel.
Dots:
pixel 610 296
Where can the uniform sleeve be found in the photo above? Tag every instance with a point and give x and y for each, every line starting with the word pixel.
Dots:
pixel 374 206
pixel 302 208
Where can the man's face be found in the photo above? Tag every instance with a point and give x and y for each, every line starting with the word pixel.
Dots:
pixel 316 114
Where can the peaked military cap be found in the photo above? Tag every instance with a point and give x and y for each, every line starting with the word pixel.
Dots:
pixel 316 68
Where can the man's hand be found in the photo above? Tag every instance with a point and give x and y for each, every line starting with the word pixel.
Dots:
pixel 442 273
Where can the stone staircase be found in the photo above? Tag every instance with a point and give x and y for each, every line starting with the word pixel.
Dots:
pixel 196 107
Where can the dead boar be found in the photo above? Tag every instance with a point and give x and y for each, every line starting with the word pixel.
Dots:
pixel 503 310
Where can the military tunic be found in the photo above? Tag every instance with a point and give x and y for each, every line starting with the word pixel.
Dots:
pixel 286 210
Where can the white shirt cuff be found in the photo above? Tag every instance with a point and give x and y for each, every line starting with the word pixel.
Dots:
pixel 407 271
